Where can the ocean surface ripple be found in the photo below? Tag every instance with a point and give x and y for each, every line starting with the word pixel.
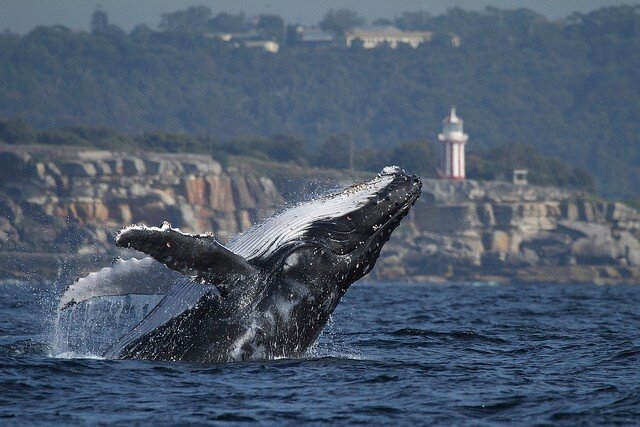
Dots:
pixel 474 354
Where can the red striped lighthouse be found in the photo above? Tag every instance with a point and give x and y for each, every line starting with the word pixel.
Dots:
pixel 453 140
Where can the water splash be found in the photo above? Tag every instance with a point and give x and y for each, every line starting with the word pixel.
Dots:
pixel 87 330
pixel 331 343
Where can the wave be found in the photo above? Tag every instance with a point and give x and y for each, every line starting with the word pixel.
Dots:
pixel 463 335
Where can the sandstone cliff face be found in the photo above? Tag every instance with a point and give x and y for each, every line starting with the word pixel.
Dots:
pixel 63 201
pixel 59 205
pixel 496 230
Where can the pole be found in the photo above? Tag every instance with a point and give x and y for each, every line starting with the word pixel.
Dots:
pixel 351 163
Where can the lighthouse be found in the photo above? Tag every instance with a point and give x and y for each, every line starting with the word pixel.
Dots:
pixel 453 140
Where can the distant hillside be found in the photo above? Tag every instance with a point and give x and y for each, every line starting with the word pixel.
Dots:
pixel 568 88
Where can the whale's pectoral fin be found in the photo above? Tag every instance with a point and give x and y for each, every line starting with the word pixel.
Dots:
pixel 202 257
pixel 133 276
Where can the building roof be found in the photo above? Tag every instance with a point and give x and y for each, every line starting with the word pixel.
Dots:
pixel 315 35
pixel 388 31
pixel 267 45
pixel 452 117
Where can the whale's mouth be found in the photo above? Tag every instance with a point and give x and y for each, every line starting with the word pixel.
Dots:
pixel 404 210
pixel 370 227
pixel 377 215
pixel 384 230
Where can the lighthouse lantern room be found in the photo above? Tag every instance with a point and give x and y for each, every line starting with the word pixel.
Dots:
pixel 453 140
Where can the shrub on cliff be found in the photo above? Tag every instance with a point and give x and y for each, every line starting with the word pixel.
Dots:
pixel 499 162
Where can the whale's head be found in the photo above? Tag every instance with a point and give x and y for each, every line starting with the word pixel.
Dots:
pixel 355 237
pixel 338 236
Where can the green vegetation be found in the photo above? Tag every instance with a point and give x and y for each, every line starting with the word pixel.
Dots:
pixel 499 162
pixel 340 21
pixel 567 88
pixel 336 152
pixel 633 203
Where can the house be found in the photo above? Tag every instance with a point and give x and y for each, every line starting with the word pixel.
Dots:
pixel 373 37
pixel 266 45
pixel 314 37
pixel 249 40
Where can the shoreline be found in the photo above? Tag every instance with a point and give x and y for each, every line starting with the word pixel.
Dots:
pixel 58 267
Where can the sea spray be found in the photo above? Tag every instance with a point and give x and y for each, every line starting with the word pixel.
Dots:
pixel 87 330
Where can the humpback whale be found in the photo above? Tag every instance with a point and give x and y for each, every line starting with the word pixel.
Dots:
pixel 268 292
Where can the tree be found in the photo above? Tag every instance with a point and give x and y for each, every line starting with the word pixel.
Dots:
pixel 383 22
pixel 226 23
pixel 370 159
pixel 271 27
pixel 99 22
pixel 281 147
pixel 340 21
pixel 334 152
pixel 16 131
pixel 293 35
pixel 580 178
pixel 286 148
pixel 415 157
pixel 499 162
pixel 193 20
pixel 413 21
pixel 141 32
pixel 247 146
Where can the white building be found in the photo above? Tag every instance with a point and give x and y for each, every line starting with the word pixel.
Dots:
pixel 266 45
pixel 453 140
pixel 391 36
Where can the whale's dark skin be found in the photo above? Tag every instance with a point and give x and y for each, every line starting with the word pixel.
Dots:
pixel 273 305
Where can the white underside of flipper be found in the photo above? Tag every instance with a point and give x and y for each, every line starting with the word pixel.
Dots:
pixel 133 276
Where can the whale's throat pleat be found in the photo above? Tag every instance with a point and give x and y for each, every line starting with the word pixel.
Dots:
pixel 202 257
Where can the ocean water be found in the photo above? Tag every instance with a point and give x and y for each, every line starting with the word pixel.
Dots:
pixel 474 354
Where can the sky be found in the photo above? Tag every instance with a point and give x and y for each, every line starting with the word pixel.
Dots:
pixel 21 16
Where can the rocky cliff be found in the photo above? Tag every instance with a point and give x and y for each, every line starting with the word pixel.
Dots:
pixel 59 205
pixel 60 209
pixel 499 231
